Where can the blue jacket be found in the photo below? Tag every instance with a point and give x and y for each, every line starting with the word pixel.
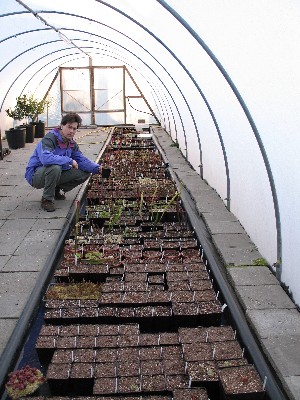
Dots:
pixel 53 150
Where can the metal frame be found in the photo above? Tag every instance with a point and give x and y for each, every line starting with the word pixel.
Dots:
pixel 93 111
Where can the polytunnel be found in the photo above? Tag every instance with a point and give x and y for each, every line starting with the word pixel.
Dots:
pixel 221 80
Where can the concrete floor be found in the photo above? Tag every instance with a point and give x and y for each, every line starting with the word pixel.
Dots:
pixel 29 238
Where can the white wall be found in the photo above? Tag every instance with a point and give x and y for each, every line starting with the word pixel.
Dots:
pixel 258 44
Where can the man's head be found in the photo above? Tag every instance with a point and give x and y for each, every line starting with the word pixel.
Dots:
pixel 69 125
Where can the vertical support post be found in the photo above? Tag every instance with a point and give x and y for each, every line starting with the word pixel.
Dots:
pixel 124 95
pixel 61 90
pixel 92 91
pixel 77 225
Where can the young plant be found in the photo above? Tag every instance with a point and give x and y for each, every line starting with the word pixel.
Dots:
pixel 115 217
pixel 24 382
pixel 159 215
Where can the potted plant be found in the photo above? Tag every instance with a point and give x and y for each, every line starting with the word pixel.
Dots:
pixel 16 136
pixel 26 105
pixel 24 382
pixel 33 108
pixel 40 125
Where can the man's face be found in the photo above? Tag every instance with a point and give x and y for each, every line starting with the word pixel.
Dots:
pixel 68 131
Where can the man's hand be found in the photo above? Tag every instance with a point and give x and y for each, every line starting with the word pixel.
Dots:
pixel 74 164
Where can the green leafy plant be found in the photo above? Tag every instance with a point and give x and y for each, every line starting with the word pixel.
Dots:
pixel 160 213
pixel 27 106
pixel 260 261
pixel 141 204
pixel 17 113
pixel 116 214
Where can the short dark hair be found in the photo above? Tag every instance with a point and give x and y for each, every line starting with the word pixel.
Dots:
pixel 70 118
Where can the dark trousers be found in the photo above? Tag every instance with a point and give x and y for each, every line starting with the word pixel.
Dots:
pixel 53 177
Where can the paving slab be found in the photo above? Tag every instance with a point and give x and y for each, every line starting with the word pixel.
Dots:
pixel 251 276
pixel 25 263
pixel 271 297
pixel 10 241
pixel 4 214
pixel 3 261
pixel 32 209
pixel 272 323
pixel 284 351
pixel 236 249
pixel 49 223
pixel 15 289
pixel 221 227
pixel 13 225
pixel 221 214
pixel 293 384
pixel 40 242
pixel 7 326
pixel 189 183
pixel 11 180
pixel 8 203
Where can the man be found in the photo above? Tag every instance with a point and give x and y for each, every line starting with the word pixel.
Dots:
pixel 57 164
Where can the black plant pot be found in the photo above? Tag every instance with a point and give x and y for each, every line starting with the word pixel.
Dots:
pixel 106 172
pixel 39 129
pixel 16 138
pixel 30 132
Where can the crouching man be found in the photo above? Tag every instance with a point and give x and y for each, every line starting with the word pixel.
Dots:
pixel 57 165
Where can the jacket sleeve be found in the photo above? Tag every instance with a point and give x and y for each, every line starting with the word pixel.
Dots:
pixel 84 163
pixel 47 157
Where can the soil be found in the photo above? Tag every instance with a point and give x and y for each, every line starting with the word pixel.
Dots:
pixel 83 356
pixel 174 367
pixel 166 338
pixel 128 368
pixel 204 295
pixel 151 367
pixel 197 351
pixel 148 339
pixel 220 333
pixel 62 356
pixel 227 350
pixel 106 355
pixel 105 386
pixel 176 381
pixel 58 371
pixel 202 372
pixel 82 371
pixel 192 335
pixel 241 380
pixel 182 296
pixel 153 383
pixel 105 370
pixel 171 352
pixel 128 384
pixel 190 394
pixel 150 353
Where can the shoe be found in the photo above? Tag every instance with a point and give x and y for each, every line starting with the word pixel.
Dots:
pixel 47 205
pixel 58 195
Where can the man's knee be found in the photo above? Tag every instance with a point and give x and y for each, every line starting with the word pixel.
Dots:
pixel 53 169
pixel 53 172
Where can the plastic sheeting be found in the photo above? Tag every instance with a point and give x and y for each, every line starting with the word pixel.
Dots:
pixel 221 77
